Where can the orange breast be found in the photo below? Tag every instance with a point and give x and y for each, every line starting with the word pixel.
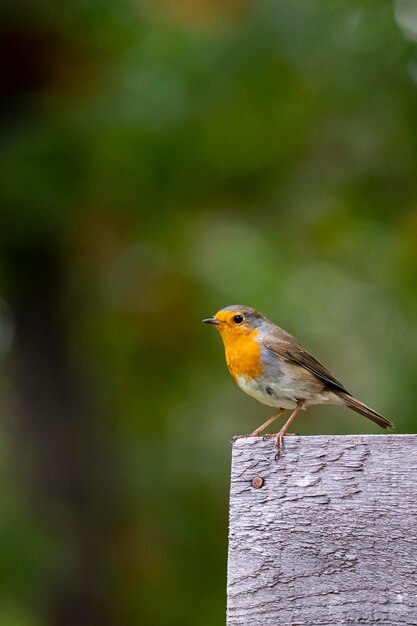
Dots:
pixel 243 355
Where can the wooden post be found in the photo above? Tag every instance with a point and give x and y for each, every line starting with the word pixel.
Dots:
pixel 325 535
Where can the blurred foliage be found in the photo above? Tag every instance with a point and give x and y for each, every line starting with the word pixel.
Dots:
pixel 164 160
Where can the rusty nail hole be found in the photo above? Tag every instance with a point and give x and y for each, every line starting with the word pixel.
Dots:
pixel 257 482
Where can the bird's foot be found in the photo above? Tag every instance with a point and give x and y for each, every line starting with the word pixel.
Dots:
pixel 279 442
pixel 255 433
pixel 265 437
pixel 270 436
pixel 236 437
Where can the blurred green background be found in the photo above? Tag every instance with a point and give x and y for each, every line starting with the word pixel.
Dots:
pixel 160 160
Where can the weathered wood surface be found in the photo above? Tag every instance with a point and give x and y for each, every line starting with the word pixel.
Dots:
pixel 331 536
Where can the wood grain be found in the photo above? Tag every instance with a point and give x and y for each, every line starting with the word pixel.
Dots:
pixel 330 536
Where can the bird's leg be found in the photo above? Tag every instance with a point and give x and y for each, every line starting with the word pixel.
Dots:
pixel 257 432
pixel 261 428
pixel 281 434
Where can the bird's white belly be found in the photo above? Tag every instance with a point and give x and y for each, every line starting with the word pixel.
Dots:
pixel 257 390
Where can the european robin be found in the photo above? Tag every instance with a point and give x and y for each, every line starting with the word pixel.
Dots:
pixel 273 367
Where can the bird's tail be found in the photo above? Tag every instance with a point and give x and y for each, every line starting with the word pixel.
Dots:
pixel 360 407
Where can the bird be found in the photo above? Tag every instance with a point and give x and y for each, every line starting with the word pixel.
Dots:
pixel 270 365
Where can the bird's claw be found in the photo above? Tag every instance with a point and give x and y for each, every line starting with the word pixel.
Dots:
pixel 236 437
pixel 279 442
pixel 269 435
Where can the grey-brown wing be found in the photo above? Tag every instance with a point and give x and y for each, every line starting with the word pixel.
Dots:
pixel 292 351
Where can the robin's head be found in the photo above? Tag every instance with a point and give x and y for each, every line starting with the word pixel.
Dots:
pixel 239 327
pixel 236 321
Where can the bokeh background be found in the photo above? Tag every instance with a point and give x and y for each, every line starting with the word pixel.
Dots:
pixel 160 160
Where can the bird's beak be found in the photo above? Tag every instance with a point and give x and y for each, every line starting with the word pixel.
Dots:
pixel 212 320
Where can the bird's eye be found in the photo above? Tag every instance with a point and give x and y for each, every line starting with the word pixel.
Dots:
pixel 238 319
